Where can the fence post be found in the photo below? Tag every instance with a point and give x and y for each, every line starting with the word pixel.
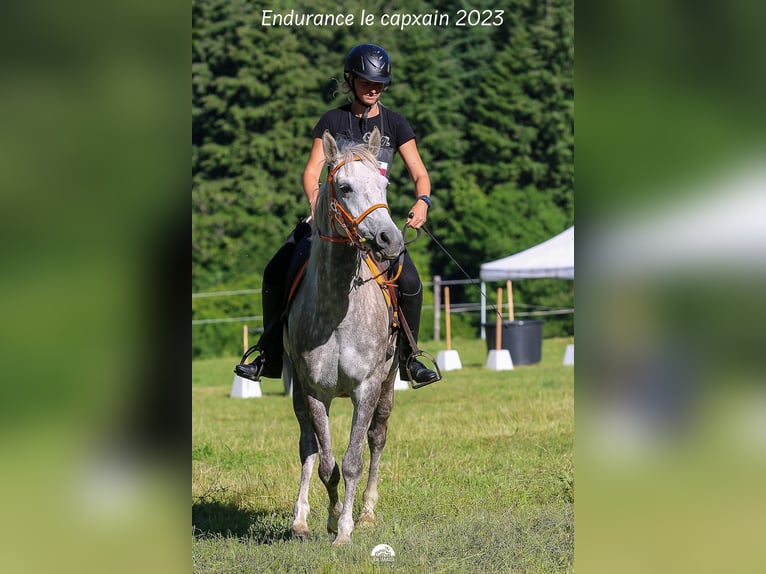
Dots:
pixel 447 319
pixel 482 332
pixel 437 306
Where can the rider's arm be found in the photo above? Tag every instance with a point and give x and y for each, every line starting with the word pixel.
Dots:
pixel 419 174
pixel 312 173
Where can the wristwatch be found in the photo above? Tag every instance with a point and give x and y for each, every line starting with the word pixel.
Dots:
pixel 425 199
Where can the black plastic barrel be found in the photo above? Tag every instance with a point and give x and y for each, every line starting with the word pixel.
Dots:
pixel 523 339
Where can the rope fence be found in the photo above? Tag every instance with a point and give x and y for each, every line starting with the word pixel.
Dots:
pixel 436 285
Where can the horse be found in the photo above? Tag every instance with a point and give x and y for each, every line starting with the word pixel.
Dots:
pixel 338 338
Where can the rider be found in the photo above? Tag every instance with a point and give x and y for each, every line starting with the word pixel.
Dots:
pixel 367 74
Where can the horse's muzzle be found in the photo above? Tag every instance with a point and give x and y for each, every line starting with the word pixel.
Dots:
pixel 388 244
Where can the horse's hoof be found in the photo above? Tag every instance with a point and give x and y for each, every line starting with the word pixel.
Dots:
pixel 365 520
pixel 332 526
pixel 342 541
pixel 300 533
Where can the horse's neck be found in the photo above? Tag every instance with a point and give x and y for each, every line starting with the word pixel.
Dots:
pixel 334 266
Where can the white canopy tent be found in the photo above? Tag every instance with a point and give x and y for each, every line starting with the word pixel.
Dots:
pixel 553 258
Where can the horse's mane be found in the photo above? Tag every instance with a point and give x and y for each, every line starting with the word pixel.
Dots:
pixel 345 155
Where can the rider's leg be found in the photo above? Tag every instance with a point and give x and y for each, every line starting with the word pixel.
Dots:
pixel 269 362
pixel 410 304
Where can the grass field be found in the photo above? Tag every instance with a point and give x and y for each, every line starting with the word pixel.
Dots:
pixel 477 474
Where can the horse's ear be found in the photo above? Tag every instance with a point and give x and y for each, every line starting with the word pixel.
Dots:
pixel 330 147
pixel 374 144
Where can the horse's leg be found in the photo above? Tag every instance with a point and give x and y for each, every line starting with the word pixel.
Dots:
pixel 376 438
pixel 329 473
pixel 308 452
pixel 352 464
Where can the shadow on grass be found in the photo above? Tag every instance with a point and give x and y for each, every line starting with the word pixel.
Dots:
pixel 227 394
pixel 214 518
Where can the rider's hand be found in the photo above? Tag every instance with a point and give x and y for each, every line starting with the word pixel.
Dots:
pixel 417 215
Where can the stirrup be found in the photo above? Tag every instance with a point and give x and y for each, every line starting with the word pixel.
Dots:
pixel 244 370
pixel 249 352
pixel 411 358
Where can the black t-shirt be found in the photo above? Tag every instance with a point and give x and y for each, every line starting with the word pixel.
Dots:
pixel 346 128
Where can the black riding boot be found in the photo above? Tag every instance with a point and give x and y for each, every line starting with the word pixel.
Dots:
pixel 410 305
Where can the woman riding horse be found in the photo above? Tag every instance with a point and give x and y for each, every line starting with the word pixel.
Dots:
pixel 367 74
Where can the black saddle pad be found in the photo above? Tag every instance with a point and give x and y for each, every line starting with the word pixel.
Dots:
pixel 300 256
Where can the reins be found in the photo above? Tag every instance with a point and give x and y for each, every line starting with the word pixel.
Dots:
pixel 463 271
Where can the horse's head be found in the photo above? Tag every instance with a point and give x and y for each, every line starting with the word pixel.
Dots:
pixel 353 205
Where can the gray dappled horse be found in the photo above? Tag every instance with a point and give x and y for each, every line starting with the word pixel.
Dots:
pixel 338 336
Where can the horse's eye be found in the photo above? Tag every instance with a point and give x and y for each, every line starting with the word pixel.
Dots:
pixel 344 188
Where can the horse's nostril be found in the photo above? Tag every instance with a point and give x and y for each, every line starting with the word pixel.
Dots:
pixel 384 239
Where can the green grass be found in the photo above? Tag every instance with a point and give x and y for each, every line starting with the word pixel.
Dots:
pixel 477 474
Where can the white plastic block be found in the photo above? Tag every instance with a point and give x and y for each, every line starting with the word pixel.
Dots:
pixel 245 388
pixel 499 360
pixel 399 384
pixel 569 355
pixel 448 360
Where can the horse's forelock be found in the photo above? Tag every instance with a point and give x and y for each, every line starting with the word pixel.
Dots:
pixel 361 151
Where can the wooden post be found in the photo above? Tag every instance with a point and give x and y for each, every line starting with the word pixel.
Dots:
pixel 448 359
pixel 447 318
pixel 509 287
pixel 244 338
pixel 499 320
pixel 437 306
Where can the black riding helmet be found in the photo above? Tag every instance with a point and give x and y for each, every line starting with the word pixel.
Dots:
pixel 370 62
